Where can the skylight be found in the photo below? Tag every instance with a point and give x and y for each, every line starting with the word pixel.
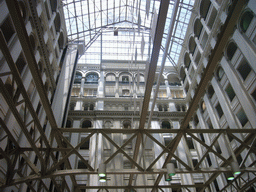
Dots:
pixel 122 29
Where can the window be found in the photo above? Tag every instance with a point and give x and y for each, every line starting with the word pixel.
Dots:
pixel 78 78
pixel 217 147
pixel 202 137
pixel 166 125
pixel 254 94
pixel 92 78
pixel 195 162
pixel 246 20
pixel 81 165
pixel 203 106
pixel 68 123
pixel 216 185
pixel 209 123
pixel 220 73
pixel 242 117
pixel 127 125
pixel 7 29
pixel 86 144
pixel 127 164
pixel 231 50
pixel 190 143
pixel 196 120
pixel 20 63
pixel 125 79
pixel 167 140
pixel 86 124
pixel 219 110
pixel 210 91
pixel 209 160
pixel 230 92
pixel 244 69
pixel 126 92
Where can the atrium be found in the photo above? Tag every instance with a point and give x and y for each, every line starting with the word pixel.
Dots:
pixel 127 95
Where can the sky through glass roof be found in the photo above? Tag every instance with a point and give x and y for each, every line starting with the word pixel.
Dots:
pixel 124 27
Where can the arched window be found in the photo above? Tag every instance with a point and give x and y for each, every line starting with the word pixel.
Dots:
pixel 198 27
pixel 86 124
pixel 111 78
pixel 220 73
pixel 92 78
pixel 165 108
pixel 57 22
pixel 127 124
pixel 246 21
pixel 177 107
pixel 203 106
pixel 68 123
pixel 166 125
pixel 108 124
pixel 204 8
pixel 231 49
pixel 183 108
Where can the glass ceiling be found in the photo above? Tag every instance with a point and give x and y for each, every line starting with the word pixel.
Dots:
pixel 122 29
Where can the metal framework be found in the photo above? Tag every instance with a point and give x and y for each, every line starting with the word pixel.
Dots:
pixel 44 149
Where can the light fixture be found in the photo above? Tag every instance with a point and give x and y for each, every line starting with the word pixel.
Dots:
pixel 102 170
pixel 167 177
pixel 230 176
pixel 103 179
pixel 170 169
pixel 235 167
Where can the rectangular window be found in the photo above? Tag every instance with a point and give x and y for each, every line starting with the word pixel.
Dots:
pixel 82 165
pixel 230 92
pixel 209 160
pixel 242 117
pixel 7 29
pixel 190 143
pixel 244 69
pixel 195 162
pixel 219 110
pixel 86 144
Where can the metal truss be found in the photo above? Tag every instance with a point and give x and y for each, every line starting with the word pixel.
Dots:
pixel 20 169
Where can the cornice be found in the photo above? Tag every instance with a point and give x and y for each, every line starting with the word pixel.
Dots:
pixel 121 114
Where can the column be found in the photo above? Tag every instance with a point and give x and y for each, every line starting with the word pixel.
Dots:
pixel 224 103
pixel 95 155
pixel 247 48
pixel 168 91
pixel 117 87
pixel 242 94
pixel 158 149
pixel 183 153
